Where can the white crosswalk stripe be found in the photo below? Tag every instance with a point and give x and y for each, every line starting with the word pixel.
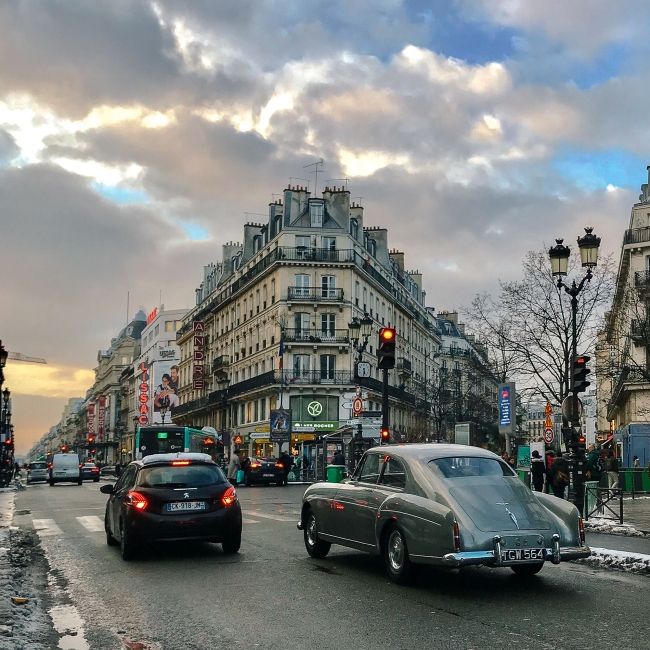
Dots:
pixel 92 523
pixel 249 521
pixel 46 527
pixel 274 517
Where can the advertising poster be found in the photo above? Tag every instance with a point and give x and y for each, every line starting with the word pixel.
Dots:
pixel 164 381
pixel 280 425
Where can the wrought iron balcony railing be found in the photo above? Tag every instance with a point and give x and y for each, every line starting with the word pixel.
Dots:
pixel 308 254
pixel 636 236
pixel 316 336
pixel 640 331
pixel 220 363
pixel 314 294
pixel 642 279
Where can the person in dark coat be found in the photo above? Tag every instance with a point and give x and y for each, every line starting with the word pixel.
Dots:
pixel 558 477
pixel 537 471
pixel 287 463
pixel 338 458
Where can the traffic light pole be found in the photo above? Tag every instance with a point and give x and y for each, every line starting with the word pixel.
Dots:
pixel 384 403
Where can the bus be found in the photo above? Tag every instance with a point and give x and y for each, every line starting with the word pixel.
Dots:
pixel 169 440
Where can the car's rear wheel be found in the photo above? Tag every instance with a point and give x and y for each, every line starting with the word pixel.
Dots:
pixel 231 544
pixel 316 548
pixel 110 540
pixel 127 550
pixel 396 557
pixel 527 570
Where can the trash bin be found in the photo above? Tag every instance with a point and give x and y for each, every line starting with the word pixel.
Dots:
pixel 591 494
pixel 335 473
pixel 524 475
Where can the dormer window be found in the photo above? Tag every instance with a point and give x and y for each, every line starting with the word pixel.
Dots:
pixel 316 213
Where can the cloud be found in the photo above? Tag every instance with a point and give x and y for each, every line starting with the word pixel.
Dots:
pixel 8 148
pixel 48 381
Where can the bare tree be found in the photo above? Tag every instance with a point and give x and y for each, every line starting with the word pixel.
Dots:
pixel 527 328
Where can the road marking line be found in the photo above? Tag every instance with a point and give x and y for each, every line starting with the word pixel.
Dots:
pixel 92 522
pixel 250 521
pixel 274 517
pixel 46 527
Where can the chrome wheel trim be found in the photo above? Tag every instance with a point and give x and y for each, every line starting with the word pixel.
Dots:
pixel 396 551
pixel 312 536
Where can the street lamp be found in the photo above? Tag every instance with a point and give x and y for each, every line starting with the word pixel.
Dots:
pixel 559 256
pixel 360 330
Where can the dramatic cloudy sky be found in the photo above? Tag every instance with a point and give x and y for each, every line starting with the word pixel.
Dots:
pixel 136 136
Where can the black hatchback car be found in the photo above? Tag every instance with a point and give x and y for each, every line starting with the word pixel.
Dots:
pixel 172 497
pixel 264 471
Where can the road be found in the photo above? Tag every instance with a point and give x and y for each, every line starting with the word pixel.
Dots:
pixel 273 596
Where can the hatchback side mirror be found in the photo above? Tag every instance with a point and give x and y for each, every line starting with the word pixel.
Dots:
pixel 106 489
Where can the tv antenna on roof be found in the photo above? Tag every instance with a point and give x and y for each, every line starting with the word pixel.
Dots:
pixel 345 180
pixel 316 167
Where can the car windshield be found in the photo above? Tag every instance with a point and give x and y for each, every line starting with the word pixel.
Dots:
pixel 455 467
pixel 38 466
pixel 169 476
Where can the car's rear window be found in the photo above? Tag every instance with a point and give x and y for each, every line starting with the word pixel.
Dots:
pixel 470 466
pixel 90 465
pixel 38 466
pixel 169 476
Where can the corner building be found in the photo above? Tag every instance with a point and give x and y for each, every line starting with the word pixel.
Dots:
pixel 301 278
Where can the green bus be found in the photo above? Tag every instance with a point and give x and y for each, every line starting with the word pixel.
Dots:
pixel 170 440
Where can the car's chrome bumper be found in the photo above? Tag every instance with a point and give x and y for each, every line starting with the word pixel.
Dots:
pixel 555 554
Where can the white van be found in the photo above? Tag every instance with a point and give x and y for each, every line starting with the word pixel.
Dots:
pixel 65 468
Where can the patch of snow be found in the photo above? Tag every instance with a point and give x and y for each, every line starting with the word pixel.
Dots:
pixel 620 560
pixel 612 527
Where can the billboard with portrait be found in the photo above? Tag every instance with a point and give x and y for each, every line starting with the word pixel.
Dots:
pixel 164 394
pixel 280 425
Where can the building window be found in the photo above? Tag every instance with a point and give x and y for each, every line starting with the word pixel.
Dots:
pixel 354 228
pixel 328 325
pixel 169 326
pixel 327 366
pixel 329 243
pixel 316 213
pixel 156 330
pixel 303 243
pixel 302 284
pixel 328 286
pixel 301 324
pixel 301 364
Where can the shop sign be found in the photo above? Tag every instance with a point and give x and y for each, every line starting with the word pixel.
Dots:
pixel 101 417
pixel 143 399
pixel 316 426
pixel 90 418
pixel 198 367
pixel 151 316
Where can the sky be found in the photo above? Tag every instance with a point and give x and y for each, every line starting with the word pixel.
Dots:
pixel 136 137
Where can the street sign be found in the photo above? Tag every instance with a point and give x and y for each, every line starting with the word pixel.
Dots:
pixel 572 408
pixel 346 405
pixel 357 407
pixel 549 435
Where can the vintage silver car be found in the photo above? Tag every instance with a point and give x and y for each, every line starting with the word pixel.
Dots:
pixel 442 505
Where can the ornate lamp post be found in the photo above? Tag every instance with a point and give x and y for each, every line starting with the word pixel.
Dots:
pixel 359 330
pixel 559 256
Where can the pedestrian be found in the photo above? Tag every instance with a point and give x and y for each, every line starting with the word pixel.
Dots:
pixel 636 463
pixel 233 468
pixel 593 464
pixel 287 463
pixel 118 469
pixel 16 470
pixel 537 471
pixel 558 477
pixel 338 458
pixel 550 458
pixel 611 467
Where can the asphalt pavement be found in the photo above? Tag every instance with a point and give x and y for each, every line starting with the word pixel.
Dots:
pixel 273 596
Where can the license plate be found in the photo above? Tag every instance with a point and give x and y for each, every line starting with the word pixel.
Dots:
pixel 522 554
pixel 267 475
pixel 185 506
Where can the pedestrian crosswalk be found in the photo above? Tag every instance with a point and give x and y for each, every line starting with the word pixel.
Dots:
pixel 48 527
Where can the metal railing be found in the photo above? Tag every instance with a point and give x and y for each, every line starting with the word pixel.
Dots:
pixel 314 294
pixel 642 279
pixel 293 377
pixel 316 336
pixel 597 502
pixel 636 236
pixel 308 254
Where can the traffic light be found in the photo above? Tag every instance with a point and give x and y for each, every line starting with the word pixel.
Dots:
pixel 580 372
pixel 385 435
pixel 91 440
pixel 237 440
pixel 386 348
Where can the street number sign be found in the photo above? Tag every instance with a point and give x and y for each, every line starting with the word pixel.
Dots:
pixel 549 435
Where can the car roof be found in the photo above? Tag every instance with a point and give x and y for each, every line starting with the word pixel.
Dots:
pixel 152 459
pixel 431 451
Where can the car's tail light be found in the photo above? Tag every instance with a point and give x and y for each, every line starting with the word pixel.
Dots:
pixel 229 497
pixel 137 500
pixel 280 465
pixel 177 463
pixel 581 530
pixel 256 465
pixel 456 536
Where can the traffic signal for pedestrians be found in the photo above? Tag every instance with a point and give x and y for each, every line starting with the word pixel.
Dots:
pixel 580 372
pixel 386 348
pixel 385 435
pixel 237 440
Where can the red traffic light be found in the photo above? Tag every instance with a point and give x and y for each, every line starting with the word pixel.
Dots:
pixel 582 440
pixel 385 434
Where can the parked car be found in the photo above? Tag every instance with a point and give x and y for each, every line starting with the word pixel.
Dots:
pixel 264 471
pixel 171 497
pixel 90 471
pixel 442 505
pixel 37 471
pixel 108 471
pixel 65 468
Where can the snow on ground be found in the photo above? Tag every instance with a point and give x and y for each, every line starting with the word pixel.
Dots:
pixel 622 560
pixel 612 527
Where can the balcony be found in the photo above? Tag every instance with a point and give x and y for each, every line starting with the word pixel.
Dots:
pixel 640 331
pixel 316 336
pixel 311 377
pixel 307 254
pixel 637 236
pixel 314 294
pixel 403 365
pixel 642 280
pixel 220 364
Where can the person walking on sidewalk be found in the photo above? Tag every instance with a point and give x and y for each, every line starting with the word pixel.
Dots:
pixel 233 468
pixel 611 467
pixel 559 476
pixel 537 471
